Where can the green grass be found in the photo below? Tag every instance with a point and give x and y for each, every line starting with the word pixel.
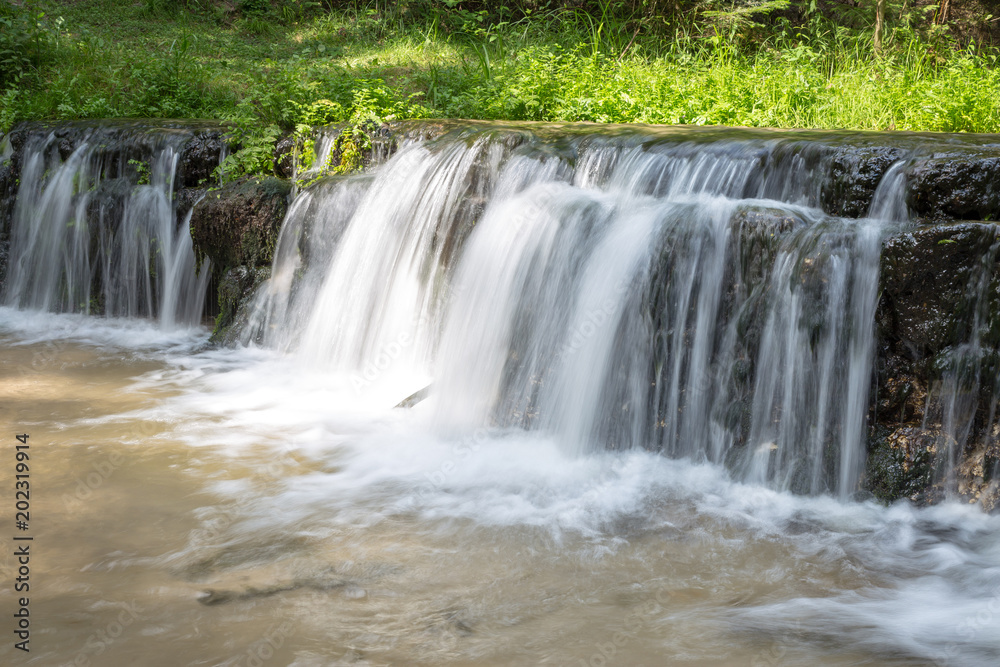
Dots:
pixel 272 67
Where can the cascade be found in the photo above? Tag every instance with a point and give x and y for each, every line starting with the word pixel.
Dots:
pixel 689 297
pixel 707 294
pixel 95 228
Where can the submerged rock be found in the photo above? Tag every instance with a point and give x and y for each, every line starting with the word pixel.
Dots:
pixel 913 462
pixel 322 584
pixel 902 463
pixel 107 201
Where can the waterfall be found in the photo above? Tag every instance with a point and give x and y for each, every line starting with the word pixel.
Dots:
pixel 681 291
pixel 689 297
pixel 95 227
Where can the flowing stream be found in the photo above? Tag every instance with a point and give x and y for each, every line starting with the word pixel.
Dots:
pixel 646 370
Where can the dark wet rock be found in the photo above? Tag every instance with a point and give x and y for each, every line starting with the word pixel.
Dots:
pixel 67 139
pixel 66 147
pixel 978 474
pixel 284 157
pixel 239 223
pixel 185 199
pixel 911 462
pixel 10 172
pixel 107 201
pixel 8 197
pixel 936 283
pixel 757 235
pixel 925 279
pixel 4 258
pixel 18 137
pixel 957 186
pixel 235 294
pixel 758 231
pixel 200 157
pixel 900 392
pixel 853 176
pixel 902 462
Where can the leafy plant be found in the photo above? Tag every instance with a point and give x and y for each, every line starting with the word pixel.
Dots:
pixel 142 171
pixel 256 153
pixel 28 39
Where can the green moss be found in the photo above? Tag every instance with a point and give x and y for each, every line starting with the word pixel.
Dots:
pixel 236 290
pixel 239 224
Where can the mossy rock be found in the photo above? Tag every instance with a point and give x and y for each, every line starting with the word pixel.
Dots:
pixel 236 292
pixel 239 223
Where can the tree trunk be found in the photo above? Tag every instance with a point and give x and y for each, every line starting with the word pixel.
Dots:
pixel 879 22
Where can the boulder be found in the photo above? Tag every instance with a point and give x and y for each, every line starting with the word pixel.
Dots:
pixel 238 224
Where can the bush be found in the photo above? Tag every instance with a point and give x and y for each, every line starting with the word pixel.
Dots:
pixel 27 41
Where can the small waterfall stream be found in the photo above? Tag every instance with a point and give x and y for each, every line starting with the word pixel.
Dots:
pixel 139 261
pixel 613 293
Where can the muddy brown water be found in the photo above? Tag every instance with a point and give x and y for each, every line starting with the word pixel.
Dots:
pixel 180 516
